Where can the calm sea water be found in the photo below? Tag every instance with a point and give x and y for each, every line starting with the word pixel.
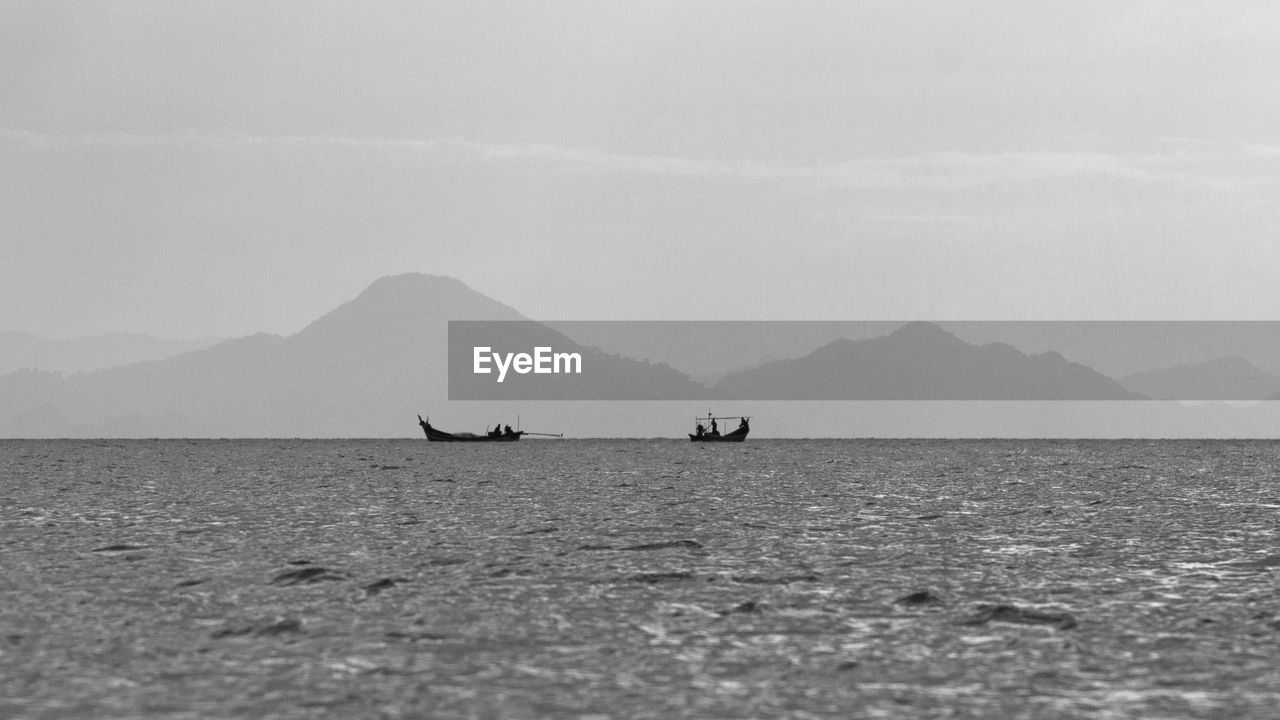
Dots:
pixel 639 579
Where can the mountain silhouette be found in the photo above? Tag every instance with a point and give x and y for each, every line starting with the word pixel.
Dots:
pixel 1229 378
pixel 1119 348
pixel 921 361
pixel 369 366
pixel 364 369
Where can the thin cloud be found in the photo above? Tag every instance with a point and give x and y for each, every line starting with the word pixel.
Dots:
pixel 1208 165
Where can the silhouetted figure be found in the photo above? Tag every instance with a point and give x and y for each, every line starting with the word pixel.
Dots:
pixel 496 431
pixel 506 430
pixel 714 429
pixel 742 423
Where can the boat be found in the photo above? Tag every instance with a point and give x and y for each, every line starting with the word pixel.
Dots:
pixel 708 430
pixel 497 435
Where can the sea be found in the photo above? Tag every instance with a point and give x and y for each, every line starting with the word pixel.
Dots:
pixel 639 579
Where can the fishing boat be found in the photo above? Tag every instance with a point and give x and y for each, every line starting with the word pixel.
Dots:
pixel 495 435
pixel 708 429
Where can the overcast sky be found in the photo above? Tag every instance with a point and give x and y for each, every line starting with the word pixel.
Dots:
pixel 194 168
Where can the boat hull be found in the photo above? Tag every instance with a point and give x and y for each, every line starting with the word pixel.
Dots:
pixel 449 437
pixel 736 436
pixel 436 435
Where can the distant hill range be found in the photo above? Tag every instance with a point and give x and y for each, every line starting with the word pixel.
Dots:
pixel 1119 348
pixel 363 370
pixel 358 370
pixel 921 361
pixel 712 350
pixel 20 350
pixel 369 366
pixel 1229 378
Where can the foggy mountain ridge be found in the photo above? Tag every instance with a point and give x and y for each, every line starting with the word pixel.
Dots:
pixel 367 367
pixel 1228 378
pixel 20 350
pixel 340 375
pixel 1119 348
pixel 364 369
pixel 709 351
pixel 921 361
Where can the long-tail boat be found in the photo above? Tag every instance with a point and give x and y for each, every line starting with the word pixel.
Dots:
pixel 495 435
pixel 708 430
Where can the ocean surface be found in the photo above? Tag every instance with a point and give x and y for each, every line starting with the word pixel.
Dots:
pixel 639 579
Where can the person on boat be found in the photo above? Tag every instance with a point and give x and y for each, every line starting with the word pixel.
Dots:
pixel 714 431
pixel 496 431
pixel 506 430
pixel 700 430
pixel 742 423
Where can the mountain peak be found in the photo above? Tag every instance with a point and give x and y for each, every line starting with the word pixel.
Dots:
pixel 414 282
pixel 397 304
pixel 921 331
pixel 921 361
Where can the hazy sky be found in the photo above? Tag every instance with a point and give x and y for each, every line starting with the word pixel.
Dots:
pixel 195 168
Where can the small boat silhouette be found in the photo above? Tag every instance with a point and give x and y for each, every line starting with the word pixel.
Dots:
pixel 710 431
pixel 497 434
